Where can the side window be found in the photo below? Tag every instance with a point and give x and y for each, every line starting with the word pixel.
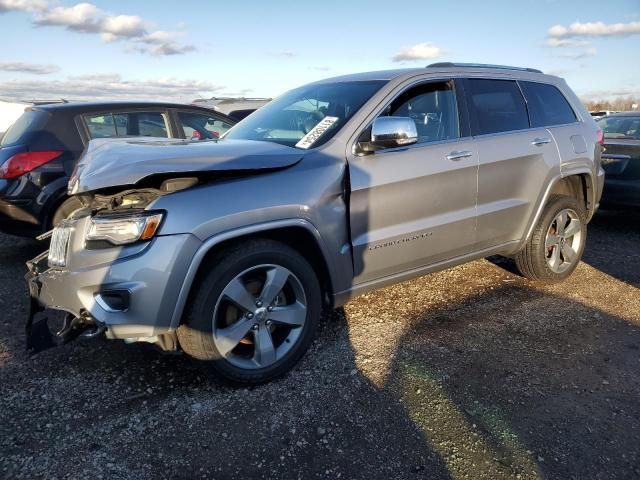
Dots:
pixel 101 126
pixel 433 108
pixel 496 106
pixel 150 124
pixel 197 126
pixel 547 105
pixel 127 124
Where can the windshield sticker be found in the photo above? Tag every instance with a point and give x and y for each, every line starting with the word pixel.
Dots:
pixel 316 132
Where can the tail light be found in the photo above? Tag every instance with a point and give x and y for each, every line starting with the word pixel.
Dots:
pixel 22 163
pixel 600 136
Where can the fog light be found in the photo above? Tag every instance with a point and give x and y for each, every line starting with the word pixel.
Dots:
pixel 114 300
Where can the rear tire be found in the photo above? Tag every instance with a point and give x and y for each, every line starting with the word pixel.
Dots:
pixel 557 242
pixel 254 314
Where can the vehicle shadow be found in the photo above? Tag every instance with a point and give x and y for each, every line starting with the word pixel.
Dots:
pixel 521 381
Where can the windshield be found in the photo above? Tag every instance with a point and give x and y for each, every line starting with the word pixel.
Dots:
pixel 308 116
pixel 621 127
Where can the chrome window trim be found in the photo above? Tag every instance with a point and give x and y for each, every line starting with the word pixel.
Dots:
pixel 418 145
pixel 484 135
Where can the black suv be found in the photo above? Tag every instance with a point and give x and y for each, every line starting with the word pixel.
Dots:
pixel 40 150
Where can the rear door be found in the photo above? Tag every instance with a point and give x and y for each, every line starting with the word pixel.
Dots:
pixel 415 206
pixel 515 160
pixel 548 108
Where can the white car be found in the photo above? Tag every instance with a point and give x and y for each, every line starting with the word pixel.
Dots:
pixel 601 113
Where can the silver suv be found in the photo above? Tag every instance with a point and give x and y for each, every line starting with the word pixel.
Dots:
pixel 228 250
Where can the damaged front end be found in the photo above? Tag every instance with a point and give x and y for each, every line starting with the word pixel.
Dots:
pixel 92 223
pixel 112 267
pixel 39 335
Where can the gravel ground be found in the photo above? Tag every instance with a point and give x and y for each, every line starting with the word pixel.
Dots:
pixel 469 373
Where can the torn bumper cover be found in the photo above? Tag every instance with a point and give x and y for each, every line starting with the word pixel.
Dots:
pixel 127 292
pixel 38 333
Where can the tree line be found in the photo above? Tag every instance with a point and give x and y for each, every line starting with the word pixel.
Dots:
pixel 618 105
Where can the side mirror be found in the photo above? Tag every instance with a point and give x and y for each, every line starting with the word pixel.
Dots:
pixel 388 132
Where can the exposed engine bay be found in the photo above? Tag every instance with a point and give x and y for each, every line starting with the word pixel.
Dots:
pixel 133 197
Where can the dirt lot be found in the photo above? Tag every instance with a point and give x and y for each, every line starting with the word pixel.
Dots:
pixel 470 373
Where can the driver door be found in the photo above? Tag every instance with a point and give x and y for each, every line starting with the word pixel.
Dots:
pixel 415 206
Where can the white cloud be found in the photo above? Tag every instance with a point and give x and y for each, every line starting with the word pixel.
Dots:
pixel 32 68
pixel 421 51
pixel 87 18
pixel 83 17
pixel 109 86
pixel 595 29
pixel 161 42
pixel 129 26
pixel 566 42
pixel 164 48
pixel 22 5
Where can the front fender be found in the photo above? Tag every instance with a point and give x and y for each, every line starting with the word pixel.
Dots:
pixel 215 240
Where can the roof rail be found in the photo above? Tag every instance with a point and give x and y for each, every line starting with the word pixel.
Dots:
pixel 481 65
pixel 42 101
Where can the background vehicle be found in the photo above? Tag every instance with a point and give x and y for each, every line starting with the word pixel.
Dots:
pixel 621 159
pixel 235 107
pixel 40 150
pixel 601 113
pixel 331 190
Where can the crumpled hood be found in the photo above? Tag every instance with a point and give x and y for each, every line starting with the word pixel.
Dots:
pixel 116 162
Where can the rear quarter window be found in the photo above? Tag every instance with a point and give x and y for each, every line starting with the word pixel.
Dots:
pixel 28 123
pixel 547 105
pixel 496 106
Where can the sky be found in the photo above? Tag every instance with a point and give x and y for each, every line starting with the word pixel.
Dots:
pixel 197 49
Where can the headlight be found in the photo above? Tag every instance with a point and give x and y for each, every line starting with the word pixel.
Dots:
pixel 123 228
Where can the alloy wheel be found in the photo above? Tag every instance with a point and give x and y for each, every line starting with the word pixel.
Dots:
pixel 259 316
pixel 563 240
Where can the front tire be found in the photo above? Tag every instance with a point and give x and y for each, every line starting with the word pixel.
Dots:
pixel 65 209
pixel 254 313
pixel 557 243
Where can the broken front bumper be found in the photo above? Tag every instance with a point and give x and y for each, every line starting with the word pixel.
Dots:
pixel 149 275
pixel 39 335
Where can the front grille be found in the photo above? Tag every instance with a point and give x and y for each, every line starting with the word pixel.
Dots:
pixel 59 244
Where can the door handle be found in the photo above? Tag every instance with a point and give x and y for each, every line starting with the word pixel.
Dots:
pixel 538 142
pixel 459 155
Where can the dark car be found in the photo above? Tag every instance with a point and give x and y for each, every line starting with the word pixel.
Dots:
pixel 621 159
pixel 40 150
